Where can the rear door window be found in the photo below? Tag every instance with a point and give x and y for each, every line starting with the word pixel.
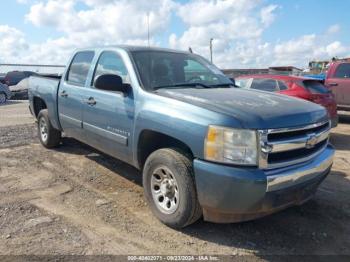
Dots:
pixel 79 68
pixel 282 86
pixel 243 82
pixel 315 87
pixel 343 71
pixel 269 85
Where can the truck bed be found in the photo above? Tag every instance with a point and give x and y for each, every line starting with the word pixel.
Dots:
pixel 46 89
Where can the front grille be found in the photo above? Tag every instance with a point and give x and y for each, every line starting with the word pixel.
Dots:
pixel 287 134
pixel 295 154
pixel 287 146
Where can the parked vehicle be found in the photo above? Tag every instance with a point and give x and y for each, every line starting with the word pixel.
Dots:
pixel 20 91
pixel 306 88
pixel 5 93
pixel 14 77
pixel 203 146
pixel 2 78
pixel 338 80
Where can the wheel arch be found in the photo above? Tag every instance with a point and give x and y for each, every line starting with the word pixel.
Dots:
pixel 38 105
pixel 149 141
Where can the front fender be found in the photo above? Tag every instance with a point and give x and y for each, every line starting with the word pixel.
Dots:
pixel 182 121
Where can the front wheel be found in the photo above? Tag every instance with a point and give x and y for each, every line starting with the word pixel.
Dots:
pixel 169 187
pixel 49 136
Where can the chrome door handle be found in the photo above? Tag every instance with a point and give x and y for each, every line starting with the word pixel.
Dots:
pixel 333 84
pixel 91 101
pixel 63 94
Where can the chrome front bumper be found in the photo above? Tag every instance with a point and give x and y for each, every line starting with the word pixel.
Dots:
pixel 233 194
pixel 287 177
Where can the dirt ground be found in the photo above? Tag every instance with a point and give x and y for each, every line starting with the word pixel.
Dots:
pixel 75 200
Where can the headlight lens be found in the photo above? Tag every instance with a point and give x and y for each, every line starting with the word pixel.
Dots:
pixel 234 146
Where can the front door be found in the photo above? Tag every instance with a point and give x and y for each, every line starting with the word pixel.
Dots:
pixel 70 94
pixel 340 84
pixel 108 116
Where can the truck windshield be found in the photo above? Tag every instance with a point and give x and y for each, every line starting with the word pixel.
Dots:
pixel 161 69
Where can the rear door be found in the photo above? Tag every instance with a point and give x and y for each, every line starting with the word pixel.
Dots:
pixel 108 116
pixel 71 94
pixel 340 84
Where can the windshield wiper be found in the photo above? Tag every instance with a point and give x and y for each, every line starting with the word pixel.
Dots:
pixel 183 85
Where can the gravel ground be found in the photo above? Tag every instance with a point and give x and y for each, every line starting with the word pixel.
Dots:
pixel 15 112
pixel 12 136
pixel 77 201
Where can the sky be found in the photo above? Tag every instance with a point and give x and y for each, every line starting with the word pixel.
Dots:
pixel 246 33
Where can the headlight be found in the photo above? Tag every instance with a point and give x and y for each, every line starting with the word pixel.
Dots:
pixel 233 146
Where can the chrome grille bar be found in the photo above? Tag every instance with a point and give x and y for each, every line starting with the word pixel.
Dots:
pixel 284 130
pixel 298 140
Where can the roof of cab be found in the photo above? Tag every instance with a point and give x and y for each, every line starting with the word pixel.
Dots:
pixel 131 48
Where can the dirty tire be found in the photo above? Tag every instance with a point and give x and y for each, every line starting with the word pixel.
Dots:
pixel 53 136
pixel 188 209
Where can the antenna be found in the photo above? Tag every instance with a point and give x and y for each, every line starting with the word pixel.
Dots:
pixel 211 49
pixel 148 29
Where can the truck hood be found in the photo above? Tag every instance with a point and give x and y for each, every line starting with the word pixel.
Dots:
pixel 252 108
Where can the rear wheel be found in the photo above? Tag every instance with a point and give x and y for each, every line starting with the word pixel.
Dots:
pixel 169 187
pixel 49 136
pixel 2 98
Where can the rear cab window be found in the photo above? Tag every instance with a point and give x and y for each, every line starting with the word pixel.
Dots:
pixel 79 68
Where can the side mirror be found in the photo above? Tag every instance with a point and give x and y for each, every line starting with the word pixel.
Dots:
pixel 110 82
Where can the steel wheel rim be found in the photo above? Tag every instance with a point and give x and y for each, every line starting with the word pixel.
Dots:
pixel 2 98
pixel 165 190
pixel 43 130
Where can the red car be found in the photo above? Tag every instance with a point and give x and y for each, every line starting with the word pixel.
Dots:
pixel 305 88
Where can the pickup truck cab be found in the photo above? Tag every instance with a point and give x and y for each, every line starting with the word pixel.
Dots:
pixel 338 80
pixel 204 147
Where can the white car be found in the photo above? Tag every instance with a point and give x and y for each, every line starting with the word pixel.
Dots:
pixel 20 91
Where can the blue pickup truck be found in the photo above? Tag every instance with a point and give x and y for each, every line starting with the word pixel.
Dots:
pixel 204 147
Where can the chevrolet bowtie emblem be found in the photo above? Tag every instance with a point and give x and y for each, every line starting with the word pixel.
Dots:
pixel 311 141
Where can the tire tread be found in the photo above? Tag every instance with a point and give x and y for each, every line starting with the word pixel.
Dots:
pixel 54 135
pixel 182 162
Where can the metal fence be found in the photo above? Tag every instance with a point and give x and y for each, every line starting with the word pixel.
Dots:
pixel 38 68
